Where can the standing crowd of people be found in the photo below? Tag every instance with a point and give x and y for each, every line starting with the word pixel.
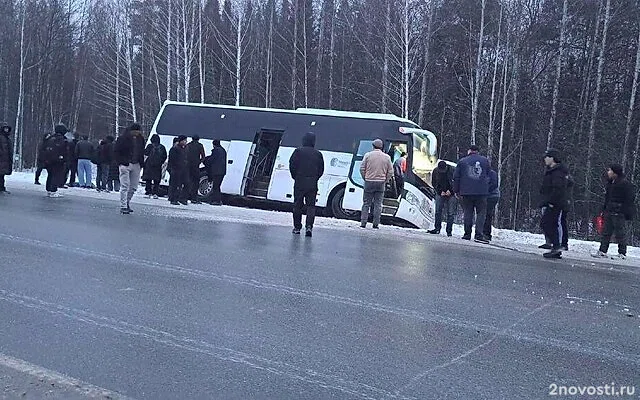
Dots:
pixel 473 183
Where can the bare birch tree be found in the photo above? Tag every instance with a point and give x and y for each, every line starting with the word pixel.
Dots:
pixel 556 84
pixel 632 102
pixel 596 98
pixel 475 83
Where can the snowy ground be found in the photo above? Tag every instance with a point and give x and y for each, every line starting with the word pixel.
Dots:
pixel 520 241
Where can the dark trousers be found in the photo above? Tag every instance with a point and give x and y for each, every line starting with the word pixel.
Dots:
pixel 177 187
pixel 491 212
pixel 216 194
pixel 39 172
pixel 103 176
pixel 151 186
pixel 448 204
pixel 307 197
pixel 471 205
pixel 2 186
pixel 372 199
pixel 55 177
pixel 551 225
pixel 564 240
pixel 194 182
pixel 614 224
pixel 72 171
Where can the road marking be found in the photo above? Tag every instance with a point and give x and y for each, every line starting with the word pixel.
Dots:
pixel 306 375
pixel 59 379
pixel 566 345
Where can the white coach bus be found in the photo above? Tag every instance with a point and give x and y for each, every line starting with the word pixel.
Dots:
pixel 259 143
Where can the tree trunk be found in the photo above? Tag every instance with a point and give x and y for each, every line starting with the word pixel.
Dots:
pixel 130 74
pixel 169 54
pixel 238 55
pixel 17 136
pixel 332 47
pixel 269 72
pixel 304 54
pixel 632 102
pixel 320 52
pixel 556 84
pixel 594 109
pixel 117 95
pixel 493 93
pixel 425 74
pixel 505 93
pixel 385 67
pixel 512 126
pixel 475 94
pixel 294 65
pixel 201 69
pixel 406 75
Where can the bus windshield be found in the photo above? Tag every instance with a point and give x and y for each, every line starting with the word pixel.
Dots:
pixel 424 156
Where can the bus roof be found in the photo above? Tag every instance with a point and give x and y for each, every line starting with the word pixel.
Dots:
pixel 306 111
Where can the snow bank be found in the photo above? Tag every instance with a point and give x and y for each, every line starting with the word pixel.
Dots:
pixel 520 241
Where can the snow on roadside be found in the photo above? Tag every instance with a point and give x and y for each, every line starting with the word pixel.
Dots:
pixel 521 241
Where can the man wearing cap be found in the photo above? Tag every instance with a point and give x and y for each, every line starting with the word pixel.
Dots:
pixel 619 207
pixel 471 184
pixel 554 200
pixel 376 170
pixel 195 155
pixel 6 154
pixel 177 167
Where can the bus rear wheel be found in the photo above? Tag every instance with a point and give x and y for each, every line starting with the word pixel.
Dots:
pixel 204 187
pixel 338 211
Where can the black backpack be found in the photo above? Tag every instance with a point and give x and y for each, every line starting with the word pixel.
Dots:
pixel 54 149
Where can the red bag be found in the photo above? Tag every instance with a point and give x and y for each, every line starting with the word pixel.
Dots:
pixel 598 222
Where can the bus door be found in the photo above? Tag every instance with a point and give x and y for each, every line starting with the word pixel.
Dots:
pixel 352 199
pixel 239 156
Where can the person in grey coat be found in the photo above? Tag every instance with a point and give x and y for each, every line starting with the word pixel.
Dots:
pixel 6 154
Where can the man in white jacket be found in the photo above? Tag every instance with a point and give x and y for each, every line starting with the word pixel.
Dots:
pixel 376 170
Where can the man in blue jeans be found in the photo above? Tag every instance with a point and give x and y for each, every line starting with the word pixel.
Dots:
pixel 471 184
pixel 84 154
pixel 442 181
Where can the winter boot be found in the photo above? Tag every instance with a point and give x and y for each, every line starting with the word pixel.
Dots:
pixel 599 254
pixel 296 231
pixel 307 232
pixel 124 211
pixel 546 246
pixel 434 232
pixel 554 253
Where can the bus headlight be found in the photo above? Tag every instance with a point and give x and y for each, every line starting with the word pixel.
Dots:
pixel 413 199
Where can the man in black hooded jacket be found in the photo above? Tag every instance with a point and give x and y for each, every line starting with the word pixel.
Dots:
pixel 619 207
pixel 195 155
pixel 554 200
pixel 306 166
pixel 6 154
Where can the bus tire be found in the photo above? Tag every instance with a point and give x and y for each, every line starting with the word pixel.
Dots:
pixel 336 207
pixel 204 187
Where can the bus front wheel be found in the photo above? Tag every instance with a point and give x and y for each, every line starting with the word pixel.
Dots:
pixel 336 207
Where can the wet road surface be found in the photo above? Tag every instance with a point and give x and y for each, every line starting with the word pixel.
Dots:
pixel 157 307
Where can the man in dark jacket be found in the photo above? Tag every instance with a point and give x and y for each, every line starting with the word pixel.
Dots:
pixel 554 200
pixel 54 153
pixel 179 173
pixel 619 207
pixel 84 153
pixel 129 153
pixel 195 155
pixel 216 165
pixel 39 161
pixel 442 181
pixel 564 239
pixel 105 157
pixel 492 202
pixel 306 166
pixel 6 155
pixel 71 161
pixel 471 184
pixel 156 155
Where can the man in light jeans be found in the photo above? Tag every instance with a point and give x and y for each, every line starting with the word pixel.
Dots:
pixel 376 170
pixel 129 153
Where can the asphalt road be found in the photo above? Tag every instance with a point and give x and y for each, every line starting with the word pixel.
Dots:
pixel 154 307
